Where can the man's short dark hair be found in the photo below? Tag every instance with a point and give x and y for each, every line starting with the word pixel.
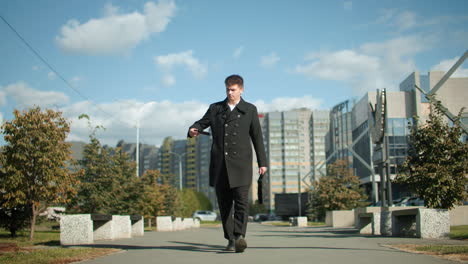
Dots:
pixel 234 79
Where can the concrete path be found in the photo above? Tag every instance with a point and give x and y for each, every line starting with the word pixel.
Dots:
pixel 266 245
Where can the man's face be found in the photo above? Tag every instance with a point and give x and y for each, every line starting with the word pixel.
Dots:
pixel 234 92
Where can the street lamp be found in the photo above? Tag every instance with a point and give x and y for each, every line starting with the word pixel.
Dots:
pixel 179 156
pixel 137 154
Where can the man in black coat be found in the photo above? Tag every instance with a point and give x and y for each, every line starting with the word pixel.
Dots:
pixel 235 127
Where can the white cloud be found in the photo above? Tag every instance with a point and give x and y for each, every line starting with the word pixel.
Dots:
pixel 116 32
pixel 269 60
pixel 288 103
pixel 158 119
pixel 35 68
pixel 168 80
pixel 26 96
pixel 341 65
pixel 154 122
pixel 2 97
pixel 348 5
pixel 238 52
pixel 370 66
pixel 51 75
pixel 76 80
pixel 406 20
pixel 1 118
pixel 445 65
pixel 399 20
pixel 185 59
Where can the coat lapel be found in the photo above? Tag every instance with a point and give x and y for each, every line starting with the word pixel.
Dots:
pixel 238 111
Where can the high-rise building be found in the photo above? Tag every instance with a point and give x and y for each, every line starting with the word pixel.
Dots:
pixel 203 153
pixel 293 148
pixel 339 134
pixel 187 160
pixel 148 156
pixel 319 127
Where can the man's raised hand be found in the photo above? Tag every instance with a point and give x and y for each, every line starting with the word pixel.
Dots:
pixel 194 132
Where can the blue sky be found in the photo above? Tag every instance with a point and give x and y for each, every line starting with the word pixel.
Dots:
pixel 164 62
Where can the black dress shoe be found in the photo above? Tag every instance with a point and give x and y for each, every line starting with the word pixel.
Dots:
pixel 240 244
pixel 230 246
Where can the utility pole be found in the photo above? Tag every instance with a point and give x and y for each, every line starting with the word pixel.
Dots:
pixel 299 192
pixel 137 148
pixel 179 156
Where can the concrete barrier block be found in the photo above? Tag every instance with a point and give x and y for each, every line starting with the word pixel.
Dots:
pixel 103 230
pixel 300 221
pixel 386 223
pixel 164 223
pixel 138 226
pixel 433 223
pixel 196 223
pixel 177 224
pixel 122 226
pixel 188 223
pixel 340 218
pixel 376 224
pixel 76 229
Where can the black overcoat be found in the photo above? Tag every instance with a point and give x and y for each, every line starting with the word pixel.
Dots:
pixel 233 133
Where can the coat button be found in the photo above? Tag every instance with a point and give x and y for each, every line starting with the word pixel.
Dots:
pixel 226 134
pixel 226 125
pixel 234 153
pixel 225 144
pixel 225 153
pixel 238 116
pixel 236 125
pixel 234 134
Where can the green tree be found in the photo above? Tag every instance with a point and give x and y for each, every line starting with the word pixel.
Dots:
pixel 205 203
pixel 190 202
pixel 172 200
pixel 151 202
pixel 437 162
pixel 34 163
pixel 14 219
pixel 338 191
pixel 96 192
pixel 126 192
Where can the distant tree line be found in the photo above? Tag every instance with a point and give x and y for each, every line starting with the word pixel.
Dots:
pixel 37 171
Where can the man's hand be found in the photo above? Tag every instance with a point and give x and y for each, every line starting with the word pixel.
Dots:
pixel 193 132
pixel 262 170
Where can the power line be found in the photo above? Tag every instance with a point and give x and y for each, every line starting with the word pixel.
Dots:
pixel 55 71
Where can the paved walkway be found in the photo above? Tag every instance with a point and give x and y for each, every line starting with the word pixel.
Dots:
pixel 267 245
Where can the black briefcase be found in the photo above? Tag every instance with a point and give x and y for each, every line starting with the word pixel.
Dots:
pixel 260 189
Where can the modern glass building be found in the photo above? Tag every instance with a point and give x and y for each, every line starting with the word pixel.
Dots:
pixel 402 106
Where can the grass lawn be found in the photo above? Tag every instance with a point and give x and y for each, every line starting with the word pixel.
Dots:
pixel 44 249
pixel 459 232
pixel 444 249
pixel 286 223
pixel 210 223
pixel 53 255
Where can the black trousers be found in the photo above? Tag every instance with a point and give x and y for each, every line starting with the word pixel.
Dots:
pixel 233 205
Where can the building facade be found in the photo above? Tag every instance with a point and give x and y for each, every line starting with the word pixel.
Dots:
pixel 295 146
pixel 339 136
pixel 401 108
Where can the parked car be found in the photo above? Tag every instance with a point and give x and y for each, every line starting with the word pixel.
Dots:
pixel 410 201
pixel 205 215
pixel 261 217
